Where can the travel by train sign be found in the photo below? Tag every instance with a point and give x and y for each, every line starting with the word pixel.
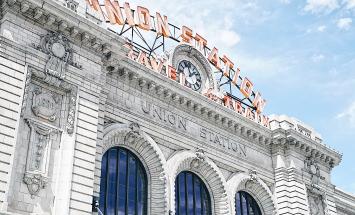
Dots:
pixel 237 92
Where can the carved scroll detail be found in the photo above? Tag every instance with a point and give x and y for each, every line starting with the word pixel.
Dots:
pixel 38 155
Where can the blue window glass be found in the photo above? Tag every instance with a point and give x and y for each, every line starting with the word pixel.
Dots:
pixel 191 195
pixel 123 186
pixel 245 204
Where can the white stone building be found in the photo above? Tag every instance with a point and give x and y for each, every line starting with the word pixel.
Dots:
pixel 73 106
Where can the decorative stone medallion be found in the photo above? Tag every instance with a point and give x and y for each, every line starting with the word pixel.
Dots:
pixel 60 55
pixel 45 105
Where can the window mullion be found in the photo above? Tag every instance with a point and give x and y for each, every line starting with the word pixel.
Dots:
pixel 107 181
pixel 136 195
pixel 186 196
pixel 247 203
pixel 177 190
pixel 127 183
pixel 117 180
pixel 193 194
pixel 241 203
pixel 201 197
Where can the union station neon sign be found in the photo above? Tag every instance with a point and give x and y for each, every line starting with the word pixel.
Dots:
pixel 252 103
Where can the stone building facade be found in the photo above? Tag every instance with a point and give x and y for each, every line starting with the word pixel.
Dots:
pixel 68 94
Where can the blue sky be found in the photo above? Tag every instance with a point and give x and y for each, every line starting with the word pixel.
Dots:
pixel 299 54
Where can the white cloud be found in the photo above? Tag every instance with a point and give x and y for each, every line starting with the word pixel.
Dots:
pixel 321 28
pixel 228 38
pixel 350 4
pixel 319 6
pixel 344 23
pixel 317 58
pixel 348 114
pixel 285 1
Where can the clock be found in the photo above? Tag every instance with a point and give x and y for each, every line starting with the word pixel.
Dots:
pixel 192 75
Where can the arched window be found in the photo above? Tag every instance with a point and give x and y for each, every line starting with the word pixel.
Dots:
pixel 245 204
pixel 191 195
pixel 123 186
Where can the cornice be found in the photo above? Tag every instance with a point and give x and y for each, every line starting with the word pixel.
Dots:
pixel 79 30
pixel 169 91
pixel 309 147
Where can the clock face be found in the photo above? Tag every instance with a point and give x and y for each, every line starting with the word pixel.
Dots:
pixel 192 75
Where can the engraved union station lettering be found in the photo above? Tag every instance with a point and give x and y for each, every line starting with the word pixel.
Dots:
pixel 164 115
pixel 220 140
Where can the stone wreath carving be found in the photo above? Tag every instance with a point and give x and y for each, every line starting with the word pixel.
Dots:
pixel 200 158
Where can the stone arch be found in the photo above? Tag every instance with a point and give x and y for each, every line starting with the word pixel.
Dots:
pixel 207 170
pixel 146 149
pixel 252 184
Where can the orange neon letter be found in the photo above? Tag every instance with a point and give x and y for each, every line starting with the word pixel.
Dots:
pixel 114 13
pixel 238 107
pixel 143 18
pixel 259 103
pixel 171 72
pixel 129 14
pixel 143 59
pixel 228 64
pixel 246 87
pixel 266 121
pixel 202 42
pixel 214 59
pixel 162 25
pixel 236 76
pixel 186 34
pixel 157 67
pixel 249 114
pixel 94 4
pixel 227 100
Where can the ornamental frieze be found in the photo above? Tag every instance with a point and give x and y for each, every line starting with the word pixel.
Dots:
pixel 180 122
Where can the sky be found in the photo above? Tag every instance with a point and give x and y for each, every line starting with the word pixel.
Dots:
pixel 299 54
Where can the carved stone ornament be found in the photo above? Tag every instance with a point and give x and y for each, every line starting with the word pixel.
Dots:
pixel 200 158
pixel 133 134
pixel 56 45
pixel 44 105
pixel 42 102
pixel 253 175
pixel 37 162
pixel 313 169
pixel 35 182
pixel 316 204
